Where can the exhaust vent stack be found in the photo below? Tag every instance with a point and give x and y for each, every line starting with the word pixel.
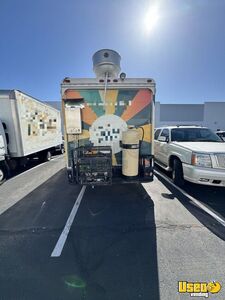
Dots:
pixel 106 63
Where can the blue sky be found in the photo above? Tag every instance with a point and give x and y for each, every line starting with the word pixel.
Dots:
pixel 44 41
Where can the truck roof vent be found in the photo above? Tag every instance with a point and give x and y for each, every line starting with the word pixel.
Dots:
pixel 106 63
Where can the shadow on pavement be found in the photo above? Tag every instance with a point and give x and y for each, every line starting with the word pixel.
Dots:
pixel 33 162
pixel 112 245
pixel 109 254
pixel 202 194
pixel 212 196
pixel 28 233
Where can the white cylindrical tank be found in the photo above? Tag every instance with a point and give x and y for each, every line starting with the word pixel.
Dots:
pixel 130 152
pixel 106 61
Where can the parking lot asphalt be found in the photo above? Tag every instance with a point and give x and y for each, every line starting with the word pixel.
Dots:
pixel 126 242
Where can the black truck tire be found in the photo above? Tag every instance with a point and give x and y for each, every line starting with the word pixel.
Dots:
pixel 48 156
pixel 62 150
pixel 177 173
pixel 45 156
pixel 4 172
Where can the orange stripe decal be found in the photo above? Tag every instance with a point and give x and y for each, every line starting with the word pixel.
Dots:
pixel 88 116
pixel 140 101
pixel 71 94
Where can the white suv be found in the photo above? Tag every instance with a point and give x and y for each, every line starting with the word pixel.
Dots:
pixel 191 153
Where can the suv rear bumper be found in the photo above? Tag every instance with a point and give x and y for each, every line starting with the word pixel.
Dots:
pixel 206 176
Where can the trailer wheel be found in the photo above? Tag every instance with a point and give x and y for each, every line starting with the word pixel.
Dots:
pixel 45 156
pixel 48 156
pixel 177 173
pixel 62 150
pixel 2 174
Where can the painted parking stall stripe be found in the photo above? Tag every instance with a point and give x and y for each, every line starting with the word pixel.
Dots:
pixel 62 239
pixel 197 202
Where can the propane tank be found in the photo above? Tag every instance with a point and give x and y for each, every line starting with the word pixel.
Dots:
pixel 130 152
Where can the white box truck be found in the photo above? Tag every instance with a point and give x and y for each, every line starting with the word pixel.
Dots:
pixel 28 128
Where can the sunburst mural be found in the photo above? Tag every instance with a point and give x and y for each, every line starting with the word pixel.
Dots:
pixel 105 115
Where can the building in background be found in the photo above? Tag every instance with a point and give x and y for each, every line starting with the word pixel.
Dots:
pixel 209 114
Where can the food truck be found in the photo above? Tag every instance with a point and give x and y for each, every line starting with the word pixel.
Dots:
pixel 108 124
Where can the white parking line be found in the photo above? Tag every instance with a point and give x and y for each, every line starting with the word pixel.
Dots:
pixel 197 202
pixel 62 239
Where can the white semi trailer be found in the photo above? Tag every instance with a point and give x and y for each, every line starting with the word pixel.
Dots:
pixel 28 128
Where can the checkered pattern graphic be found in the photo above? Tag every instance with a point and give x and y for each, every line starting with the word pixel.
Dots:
pixel 106 134
pixel 39 122
pixel 107 131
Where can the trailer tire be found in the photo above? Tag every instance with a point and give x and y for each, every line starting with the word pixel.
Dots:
pixel 177 173
pixel 62 150
pixel 48 156
pixel 45 156
pixel 4 172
